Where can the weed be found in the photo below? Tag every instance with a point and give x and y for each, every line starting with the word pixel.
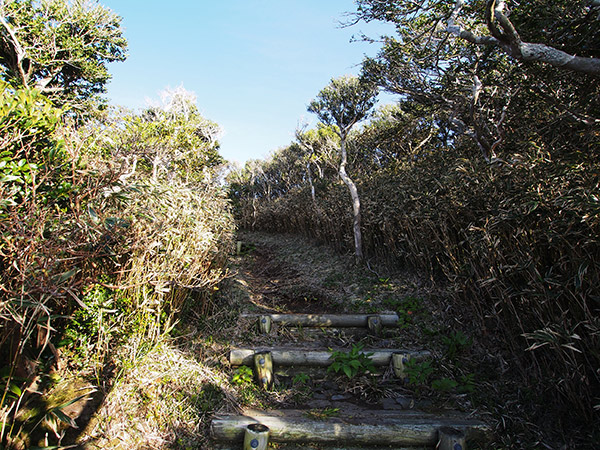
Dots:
pixel 242 376
pixel 384 283
pixel 406 309
pixel 465 385
pixel 333 280
pixel 210 396
pixel 455 342
pixel 301 378
pixel 418 372
pixel 364 305
pixel 351 363
pixel 444 384
pixel 246 248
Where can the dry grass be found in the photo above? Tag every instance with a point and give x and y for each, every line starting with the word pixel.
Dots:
pixel 160 402
pixel 516 241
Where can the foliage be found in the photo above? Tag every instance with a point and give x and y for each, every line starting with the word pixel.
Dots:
pixel 418 373
pixel 455 342
pixel 243 375
pixel 59 47
pixel 172 140
pixel 444 384
pixel 301 378
pixel 534 34
pixel 352 363
pixel 98 254
pixel 344 102
pixel 31 152
pixel 165 396
pixel 406 308
pixel 87 236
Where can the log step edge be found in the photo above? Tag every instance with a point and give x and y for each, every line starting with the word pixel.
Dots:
pixel 328 320
pixel 286 428
pixel 317 358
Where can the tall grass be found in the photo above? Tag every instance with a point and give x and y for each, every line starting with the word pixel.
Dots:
pixel 180 239
pixel 517 240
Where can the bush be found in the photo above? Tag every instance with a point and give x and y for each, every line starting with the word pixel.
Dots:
pixel 93 252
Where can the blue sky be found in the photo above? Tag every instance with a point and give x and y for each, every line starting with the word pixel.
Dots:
pixel 254 65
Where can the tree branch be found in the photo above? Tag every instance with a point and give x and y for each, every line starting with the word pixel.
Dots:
pixel 19 52
pixel 507 38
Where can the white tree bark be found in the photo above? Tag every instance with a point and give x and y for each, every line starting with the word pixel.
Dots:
pixel 310 182
pixel 509 40
pixel 358 253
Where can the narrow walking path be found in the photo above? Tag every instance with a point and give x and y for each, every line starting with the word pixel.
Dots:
pixel 336 352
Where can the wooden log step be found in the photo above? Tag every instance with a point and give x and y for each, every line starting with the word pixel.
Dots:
pixel 366 428
pixel 329 320
pixel 308 446
pixel 293 357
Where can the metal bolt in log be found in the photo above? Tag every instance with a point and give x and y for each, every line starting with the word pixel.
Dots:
pixel 263 367
pixel 264 324
pixel 375 325
pixel 256 437
pixel 399 361
pixel 451 439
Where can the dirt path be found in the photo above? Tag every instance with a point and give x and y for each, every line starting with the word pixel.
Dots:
pixel 285 275
pixel 288 274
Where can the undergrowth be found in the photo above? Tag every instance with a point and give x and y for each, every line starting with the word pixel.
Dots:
pixel 99 252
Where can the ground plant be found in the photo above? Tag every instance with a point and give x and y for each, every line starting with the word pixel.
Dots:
pixel 352 363
pixel 99 254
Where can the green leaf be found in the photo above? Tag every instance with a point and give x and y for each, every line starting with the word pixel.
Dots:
pixel 15 390
pixel 60 278
pixel 60 415
pixel 10 178
pixel 348 371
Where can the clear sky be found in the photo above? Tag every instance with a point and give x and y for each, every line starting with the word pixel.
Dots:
pixel 253 64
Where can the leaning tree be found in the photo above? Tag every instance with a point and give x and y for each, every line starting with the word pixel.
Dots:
pixel 343 103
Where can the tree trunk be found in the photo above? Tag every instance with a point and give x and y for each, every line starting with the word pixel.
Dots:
pixel 310 182
pixel 355 201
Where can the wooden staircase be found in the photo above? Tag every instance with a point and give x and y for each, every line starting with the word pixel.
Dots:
pixel 395 423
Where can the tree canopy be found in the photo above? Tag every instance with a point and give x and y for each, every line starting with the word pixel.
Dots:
pixel 563 35
pixel 60 47
pixel 344 102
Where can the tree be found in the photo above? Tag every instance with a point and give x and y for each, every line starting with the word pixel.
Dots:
pixel 317 146
pixel 343 103
pixel 469 20
pixel 173 138
pixel 60 47
pixel 478 89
